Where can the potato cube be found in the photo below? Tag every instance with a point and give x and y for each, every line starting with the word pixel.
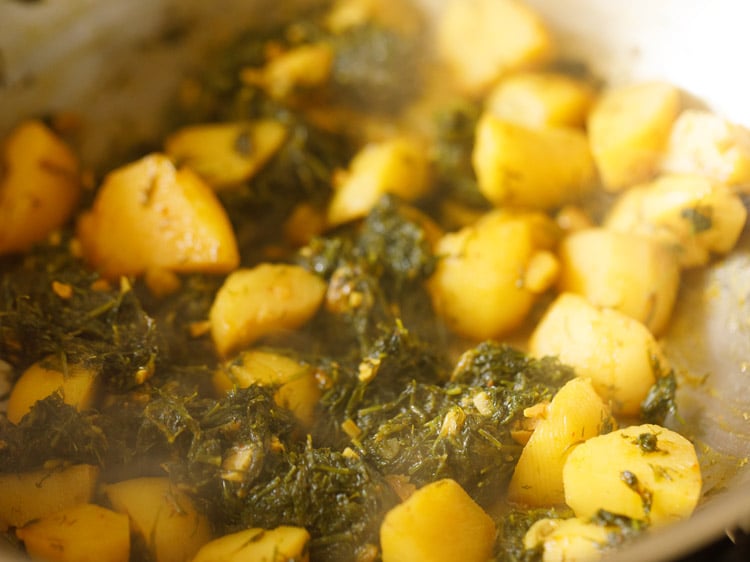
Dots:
pixel 704 143
pixel 298 388
pixel 490 273
pixel 282 544
pixel 629 129
pixel 225 154
pixel 541 99
pixel 481 40
pixel 645 472
pixel 439 522
pixel 541 168
pixel 82 533
pixel 616 352
pixel 77 385
pixel 39 186
pixel 692 214
pixel 151 215
pixel 164 517
pixel 575 414
pixel 571 540
pixel 266 299
pixel 397 166
pixel 39 493
pixel 631 273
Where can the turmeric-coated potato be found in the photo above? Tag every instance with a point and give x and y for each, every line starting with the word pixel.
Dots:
pixel 568 540
pixel 256 302
pixel 629 128
pixel 540 168
pixel 151 215
pixel 634 274
pixel 489 274
pixel 440 522
pixel 616 352
pixel 282 544
pixel 646 472
pixel 39 186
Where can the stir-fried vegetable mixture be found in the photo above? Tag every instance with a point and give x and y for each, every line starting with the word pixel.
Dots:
pixel 379 294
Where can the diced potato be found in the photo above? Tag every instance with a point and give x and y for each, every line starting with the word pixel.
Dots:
pixel 163 516
pixel 616 352
pixel 568 540
pixel 439 522
pixel 225 154
pixel 39 493
pixel 282 544
pixel 541 168
pixel 489 274
pixel 541 99
pixel 481 40
pixel 77 385
pixel 645 472
pixel 575 414
pixel 151 215
pixel 631 273
pixel 397 166
pixel 298 391
pixel 629 129
pixel 305 66
pixel 692 214
pixel 704 143
pixel 256 302
pixel 39 186
pixel 82 533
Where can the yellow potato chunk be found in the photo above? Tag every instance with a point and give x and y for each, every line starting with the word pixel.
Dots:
pixel 149 214
pixel 39 186
pixel 299 390
pixel 397 166
pixel 541 99
pixel 489 274
pixel 616 352
pixel 646 472
pixel 256 302
pixel 541 168
pixel 164 517
pixel 480 40
pixel 225 154
pixel 575 414
pixel 692 214
pixel 439 522
pixel 39 493
pixel 403 17
pixel 704 143
pixel 634 274
pixel 77 384
pixel 629 128
pixel 82 533
pixel 568 540
pixel 282 544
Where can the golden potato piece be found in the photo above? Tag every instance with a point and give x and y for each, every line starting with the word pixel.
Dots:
pixel 225 154
pixel 39 186
pixel 256 302
pixel 540 168
pixel 616 352
pixel 480 40
pixel 29 495
pixel 439 522
pixel 82 533
pixel 645 472
pixel 575 414
pixel 629 129
pixel 149 214
pixel 282 544
pixel 77 385
pixel 164 517
pixel 631 273
pixel 570 540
